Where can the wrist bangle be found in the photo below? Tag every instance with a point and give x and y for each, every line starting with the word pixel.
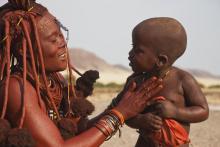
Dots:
pixel 103 130
pixel 119 115
pixel 109 125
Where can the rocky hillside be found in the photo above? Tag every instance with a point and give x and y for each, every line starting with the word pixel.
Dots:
pixel 84 60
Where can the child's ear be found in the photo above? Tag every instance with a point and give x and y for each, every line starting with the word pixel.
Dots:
pixel 162 60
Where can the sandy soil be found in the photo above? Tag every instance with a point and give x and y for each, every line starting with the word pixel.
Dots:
pixel 204 134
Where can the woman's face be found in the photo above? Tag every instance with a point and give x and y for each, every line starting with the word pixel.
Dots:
pixel 53 44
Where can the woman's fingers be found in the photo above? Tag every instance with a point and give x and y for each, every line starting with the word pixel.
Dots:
pixel 146 96
pixel 151 93
pixel 146 84
pixel 135 98
pixel 154 85
pixel 149 88
pixel 132 86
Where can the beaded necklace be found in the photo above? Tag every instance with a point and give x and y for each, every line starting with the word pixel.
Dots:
pixel 56 87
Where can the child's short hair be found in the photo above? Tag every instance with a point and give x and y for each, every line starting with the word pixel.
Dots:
pixel 167 36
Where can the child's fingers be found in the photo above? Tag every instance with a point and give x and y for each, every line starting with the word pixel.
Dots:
pixel 156 127
pixel 157 119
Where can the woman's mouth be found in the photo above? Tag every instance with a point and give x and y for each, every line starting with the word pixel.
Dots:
pixel 63 56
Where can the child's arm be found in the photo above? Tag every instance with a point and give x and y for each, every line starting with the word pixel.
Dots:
pixel 196 109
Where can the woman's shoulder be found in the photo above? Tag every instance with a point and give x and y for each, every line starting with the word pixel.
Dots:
pixel 15 99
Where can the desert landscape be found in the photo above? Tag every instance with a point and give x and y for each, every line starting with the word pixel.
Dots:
pixel 112 77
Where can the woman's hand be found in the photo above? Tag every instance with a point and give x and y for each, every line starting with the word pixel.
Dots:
pixel 135 98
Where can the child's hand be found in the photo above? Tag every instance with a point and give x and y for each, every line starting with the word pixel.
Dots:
pixel 151 122
pixel 166 109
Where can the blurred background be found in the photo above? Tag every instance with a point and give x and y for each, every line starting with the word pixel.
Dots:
pixel 100 38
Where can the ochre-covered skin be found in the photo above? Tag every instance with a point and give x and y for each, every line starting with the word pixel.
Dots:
pixel 32 36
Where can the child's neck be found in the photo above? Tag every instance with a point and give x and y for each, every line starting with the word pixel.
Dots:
pixel 162 73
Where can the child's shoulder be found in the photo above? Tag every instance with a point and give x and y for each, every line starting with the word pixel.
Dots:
pixel 184 75
pixel 181 73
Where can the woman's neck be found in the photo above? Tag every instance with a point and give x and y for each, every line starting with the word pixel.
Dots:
pixel 39 75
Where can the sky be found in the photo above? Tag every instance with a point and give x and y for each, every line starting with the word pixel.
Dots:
pixel 104 27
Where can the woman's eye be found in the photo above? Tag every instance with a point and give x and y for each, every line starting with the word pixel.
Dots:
pixel 53 41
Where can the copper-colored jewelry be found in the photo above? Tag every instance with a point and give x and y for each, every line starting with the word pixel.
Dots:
pixel 102 129
pixel 109 125
pixel 119 115
pixel 106 125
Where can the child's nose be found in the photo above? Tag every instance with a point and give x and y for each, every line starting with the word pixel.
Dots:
pixel 130 55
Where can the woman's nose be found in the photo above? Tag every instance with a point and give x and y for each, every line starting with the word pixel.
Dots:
pixel 61 41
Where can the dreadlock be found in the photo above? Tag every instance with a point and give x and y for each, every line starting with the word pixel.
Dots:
pixel 19 38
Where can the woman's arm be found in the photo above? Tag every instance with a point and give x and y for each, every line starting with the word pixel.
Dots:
pixel 43 130
pixel 46 133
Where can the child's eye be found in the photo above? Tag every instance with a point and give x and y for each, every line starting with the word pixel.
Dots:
pixel 137 50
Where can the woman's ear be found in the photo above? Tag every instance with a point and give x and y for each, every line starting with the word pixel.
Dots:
pixel 162 60
pixel 20 52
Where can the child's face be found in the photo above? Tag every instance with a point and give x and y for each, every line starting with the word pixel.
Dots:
pixel 142 56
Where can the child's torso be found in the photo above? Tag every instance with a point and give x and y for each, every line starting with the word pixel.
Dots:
pixel 173 91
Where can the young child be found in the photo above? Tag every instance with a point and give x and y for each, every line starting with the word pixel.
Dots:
pixel 157 44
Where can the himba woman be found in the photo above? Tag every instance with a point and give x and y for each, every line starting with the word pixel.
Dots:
pixel 34 96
